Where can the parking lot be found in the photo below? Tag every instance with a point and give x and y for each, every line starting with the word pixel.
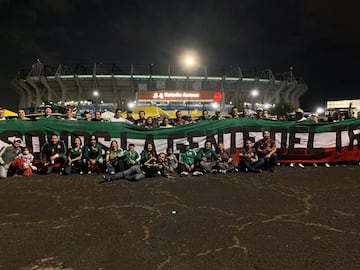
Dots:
pixel 290 219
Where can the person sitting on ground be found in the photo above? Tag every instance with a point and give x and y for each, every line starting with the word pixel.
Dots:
pixel 148 152
pixel 75 162
pixel 225 161
pixel 207 158
pixel 23 163
pixel 187 160
pixel 266 149
pixel 171 160
pixel 53 155
pixel 93 159
pixel 114 158
pixel 7 154
pixel 131 157
pixel 151 168
pixel 249 160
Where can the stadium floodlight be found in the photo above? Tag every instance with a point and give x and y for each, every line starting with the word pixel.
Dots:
pixel 96 93
pixel 189 60
pixel 254 93
pixel 320 110
pixel 131 105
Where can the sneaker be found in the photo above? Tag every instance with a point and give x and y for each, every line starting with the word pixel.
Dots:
pixel 184 173
pixel 214 171
pixel 292 165
pixel 315 165
pixel 112 173
pixel 89 172
pixel 81 172
pixel 301 165
pixel 106 178
pixel 222 171
pixel 237 170
pixel 246 170
pixel 327 165
pixel 197 173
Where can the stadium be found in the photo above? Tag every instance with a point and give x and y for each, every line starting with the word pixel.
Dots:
pixel 108 86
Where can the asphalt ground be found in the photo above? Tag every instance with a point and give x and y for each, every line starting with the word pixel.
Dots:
pixel 290 219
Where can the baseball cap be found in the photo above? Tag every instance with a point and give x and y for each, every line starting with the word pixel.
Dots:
pixel 86 112
pixel 92 138
pixel 17 139
pixel 186 143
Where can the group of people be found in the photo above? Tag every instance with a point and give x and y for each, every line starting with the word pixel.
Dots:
pixel 141 119
pixel 130 164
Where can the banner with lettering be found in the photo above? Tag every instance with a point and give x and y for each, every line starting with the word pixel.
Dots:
pixel 296 141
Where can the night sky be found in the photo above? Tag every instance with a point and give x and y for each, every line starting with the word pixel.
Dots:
pixel 320 39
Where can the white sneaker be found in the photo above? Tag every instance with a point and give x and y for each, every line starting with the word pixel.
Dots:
pixel 89 172
pixel 222 171
pixel 291 165
pixel 301 166
pixel 184 173
pixel 327 165
pixel 196 173
pixel 315 165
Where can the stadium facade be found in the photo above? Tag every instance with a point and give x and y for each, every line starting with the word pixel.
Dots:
pixel 113 86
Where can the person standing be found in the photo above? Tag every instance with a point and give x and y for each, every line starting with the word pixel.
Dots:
pixel 2 114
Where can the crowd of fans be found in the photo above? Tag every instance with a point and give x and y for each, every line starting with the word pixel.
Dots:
pixel 131 165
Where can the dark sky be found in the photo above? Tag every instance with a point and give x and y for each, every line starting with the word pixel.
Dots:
pixel 321 39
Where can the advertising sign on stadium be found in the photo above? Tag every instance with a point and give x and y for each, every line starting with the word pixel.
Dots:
pixel 176 95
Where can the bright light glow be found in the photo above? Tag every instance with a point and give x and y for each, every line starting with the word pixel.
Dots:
pixel 215 105
pixel 96 93
pixel 266 106
pixel 131 105
pixel 320 110
pixel 254 93
pixel 189 60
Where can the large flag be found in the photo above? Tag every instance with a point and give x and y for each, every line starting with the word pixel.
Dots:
pixel 296 141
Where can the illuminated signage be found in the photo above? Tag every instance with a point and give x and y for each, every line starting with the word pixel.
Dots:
pixel 176 95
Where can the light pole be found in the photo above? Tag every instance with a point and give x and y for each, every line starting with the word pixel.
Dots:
pixel 96 95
